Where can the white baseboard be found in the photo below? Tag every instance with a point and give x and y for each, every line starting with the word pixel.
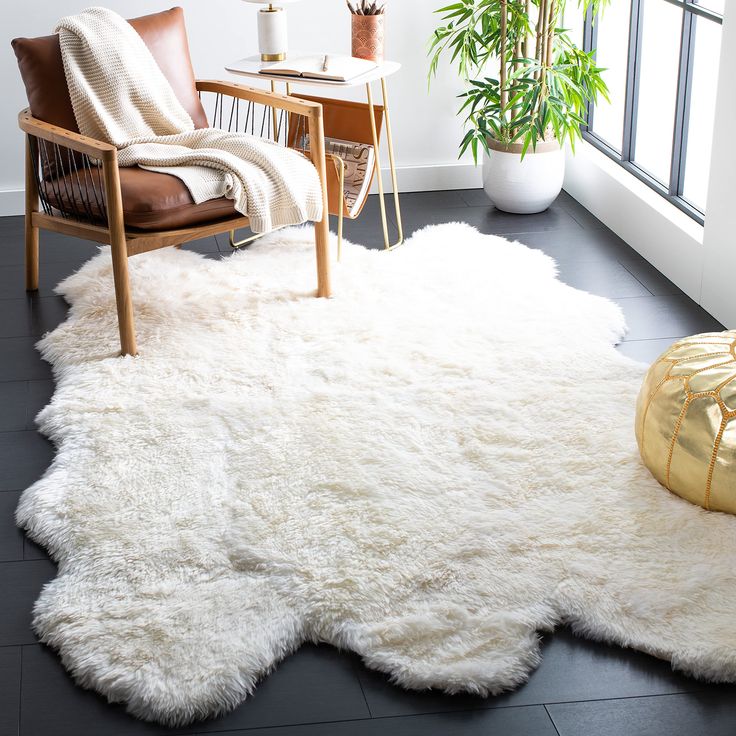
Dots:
pixel 433 177
pixel 411 179
pixel 11 202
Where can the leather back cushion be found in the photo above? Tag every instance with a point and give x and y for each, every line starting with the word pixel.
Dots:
pixel 42 70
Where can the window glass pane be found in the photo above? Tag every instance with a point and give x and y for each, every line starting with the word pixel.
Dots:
pixel 574 21
pixel 660 54
pixel 612 53
pixel 718 6
pixel 706 56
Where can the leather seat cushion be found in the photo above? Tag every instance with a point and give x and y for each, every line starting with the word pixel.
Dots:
pixel 151 201
pixel 42 69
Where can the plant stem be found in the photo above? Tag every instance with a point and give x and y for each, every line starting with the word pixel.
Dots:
pixel 527 10
pixel 540 34
pixel 551 32
pixel 504 30
pixel 545 38
pixel 546 57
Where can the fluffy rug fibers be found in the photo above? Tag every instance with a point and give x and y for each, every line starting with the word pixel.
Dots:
pixel 428 469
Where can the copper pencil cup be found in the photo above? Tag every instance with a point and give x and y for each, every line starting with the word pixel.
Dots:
pixel 368 37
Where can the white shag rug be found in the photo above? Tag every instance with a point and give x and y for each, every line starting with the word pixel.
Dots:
pixel 428 469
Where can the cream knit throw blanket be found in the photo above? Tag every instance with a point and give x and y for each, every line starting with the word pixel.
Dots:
pixel 120 95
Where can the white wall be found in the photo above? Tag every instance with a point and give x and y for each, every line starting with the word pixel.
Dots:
pixel 718 290
pixel 426 130
pixel 701 261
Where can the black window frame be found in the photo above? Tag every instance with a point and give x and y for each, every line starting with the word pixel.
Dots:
pixel 673 191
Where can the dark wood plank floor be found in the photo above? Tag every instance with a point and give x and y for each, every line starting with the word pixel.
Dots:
pixel 581 688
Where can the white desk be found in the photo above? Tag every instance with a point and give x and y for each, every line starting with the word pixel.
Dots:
pixel 253 67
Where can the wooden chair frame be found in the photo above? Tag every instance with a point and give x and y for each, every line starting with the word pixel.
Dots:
pixel 125 243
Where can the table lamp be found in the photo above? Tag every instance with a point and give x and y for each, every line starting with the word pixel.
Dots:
pixel 272 36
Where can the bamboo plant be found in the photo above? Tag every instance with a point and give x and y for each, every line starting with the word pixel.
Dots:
pixel 544 80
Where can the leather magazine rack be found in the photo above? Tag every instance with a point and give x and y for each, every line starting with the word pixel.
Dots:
pixel 347 121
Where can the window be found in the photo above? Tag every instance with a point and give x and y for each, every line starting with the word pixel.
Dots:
pixel 662 59
pixel 612 53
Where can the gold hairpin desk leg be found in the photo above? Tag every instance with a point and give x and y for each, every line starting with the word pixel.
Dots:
pixel 247 241
pixel 376 143
pixel 392 163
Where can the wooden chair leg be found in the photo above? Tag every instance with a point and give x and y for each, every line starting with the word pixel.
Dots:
pixel 123 298
pixel 119 250
pixel 31 232
pixel 31 255
pixel 321 228
pixel 322 245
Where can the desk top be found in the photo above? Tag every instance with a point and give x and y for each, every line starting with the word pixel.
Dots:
pixel 251 67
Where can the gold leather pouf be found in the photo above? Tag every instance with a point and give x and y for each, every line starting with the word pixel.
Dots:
pixel 686 420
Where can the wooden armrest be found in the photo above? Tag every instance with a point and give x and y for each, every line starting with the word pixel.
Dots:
pixel 106 152
pixel 272 99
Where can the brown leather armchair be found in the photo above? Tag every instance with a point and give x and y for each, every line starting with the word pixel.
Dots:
pixel 74 185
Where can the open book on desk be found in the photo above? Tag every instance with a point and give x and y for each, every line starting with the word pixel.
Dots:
pixel 322 66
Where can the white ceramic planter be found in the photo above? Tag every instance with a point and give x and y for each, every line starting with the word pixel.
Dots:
pixel 524 186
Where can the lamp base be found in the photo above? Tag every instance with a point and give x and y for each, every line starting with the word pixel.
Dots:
pixel 272 37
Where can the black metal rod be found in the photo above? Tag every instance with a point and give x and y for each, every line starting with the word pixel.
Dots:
pixel 61 178
pixel 45 171
pixel 590 42
pixel 247 116
pixel 40 184
pixel 99 198
pixel 682 104
pixel 70 188
pixel 83 193
pixel 263 120
pixel 631 103
pixel 279 126
pixel 52 180
pixel 102 189
pixel 232 113
pixel 89 183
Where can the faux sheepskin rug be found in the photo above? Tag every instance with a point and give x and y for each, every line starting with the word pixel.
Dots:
pixel 429 470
